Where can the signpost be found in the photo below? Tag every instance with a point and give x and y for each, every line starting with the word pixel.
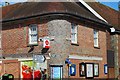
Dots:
pixel 38 58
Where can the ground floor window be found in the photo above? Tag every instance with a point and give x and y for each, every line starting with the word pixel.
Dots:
pixel 89 70
pixel 56 72
pixel 31 70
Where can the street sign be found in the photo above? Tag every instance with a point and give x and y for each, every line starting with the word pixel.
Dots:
pixel 39 58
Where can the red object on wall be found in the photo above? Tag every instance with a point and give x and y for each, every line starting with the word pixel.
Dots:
pixel 37 75
pixel 46 43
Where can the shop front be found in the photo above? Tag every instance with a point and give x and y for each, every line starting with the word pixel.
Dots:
pixel 30 69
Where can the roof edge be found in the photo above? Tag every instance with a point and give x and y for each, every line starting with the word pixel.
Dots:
pixel 92 10
pixel 58 13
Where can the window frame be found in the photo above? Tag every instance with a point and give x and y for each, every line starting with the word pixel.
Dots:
pixel 92 70
pixel 75 33
pixel 96 38
pixel 96 75
pixel 29 34
pixel 82 69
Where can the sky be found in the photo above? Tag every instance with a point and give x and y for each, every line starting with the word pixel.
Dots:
pixel 111 3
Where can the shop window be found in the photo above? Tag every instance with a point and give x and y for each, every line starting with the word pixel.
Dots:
pixel 74 34
pixel 89 70
pixel 96 38
pixel 96 70
pixel 33 34
pixel 56 72
pixel 82 69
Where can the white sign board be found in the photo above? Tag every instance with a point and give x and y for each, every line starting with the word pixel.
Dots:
pixel 96 70
pixel 89 70
pixel 39 58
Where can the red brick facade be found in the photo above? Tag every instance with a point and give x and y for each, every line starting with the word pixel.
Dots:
pixel 15 37
pixel 11 67
pixel 15 40
pixel 86 47
pixel 55 22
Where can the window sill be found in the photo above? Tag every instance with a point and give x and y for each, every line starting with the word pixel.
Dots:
pixel 29 45
pixel 96 47
pixel 76 44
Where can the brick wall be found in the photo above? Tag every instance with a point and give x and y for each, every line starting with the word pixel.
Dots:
pixel 15 37
pixel 108 41
pixel 85 46
pixel 111 73
pixel 11 67
pixel 15 40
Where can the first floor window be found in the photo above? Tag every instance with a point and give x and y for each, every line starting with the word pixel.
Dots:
pixel 96 38
pixel 33 34
pixel 74 33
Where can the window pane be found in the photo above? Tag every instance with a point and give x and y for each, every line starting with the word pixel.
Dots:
pixel 33 38
pixel 95 42
pixel 96 38
pixel 73 37
pixel 73 29
pixel 33 34
pixel 33 30
pixel 73 33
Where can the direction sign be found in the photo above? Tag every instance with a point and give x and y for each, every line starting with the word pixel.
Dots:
pixel 39 58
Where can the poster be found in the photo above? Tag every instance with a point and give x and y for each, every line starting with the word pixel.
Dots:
pixel 89 70
pixel 27 70
pixel 82 69
pixel 72 70
pixel 105 69
pixel 96 70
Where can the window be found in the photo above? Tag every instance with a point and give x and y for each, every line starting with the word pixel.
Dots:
pixel 74 33
pixel 96 70
pixel 89 70
pixel 95 38
pixel 33 34
pixel 56 72
pixel 82 69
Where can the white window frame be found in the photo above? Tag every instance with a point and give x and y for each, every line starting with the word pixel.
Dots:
pixel 96 38
pixel 74 33
pixel 31 27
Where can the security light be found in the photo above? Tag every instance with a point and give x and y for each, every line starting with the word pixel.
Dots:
pixel 112 29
